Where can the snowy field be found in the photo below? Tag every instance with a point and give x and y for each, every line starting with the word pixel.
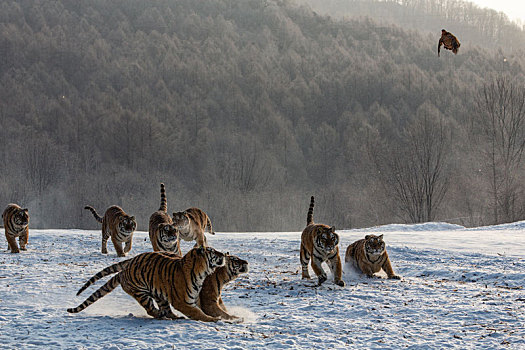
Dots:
pixel 460 288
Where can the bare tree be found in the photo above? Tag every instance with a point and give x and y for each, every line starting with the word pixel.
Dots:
pixel 413 170
pixel 501 122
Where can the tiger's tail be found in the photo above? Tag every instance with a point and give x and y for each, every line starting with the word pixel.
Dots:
pixel 94 212
pixel 105 289
pixel 310 216
pixel 163 200
pixel 208 226
pixel 106 272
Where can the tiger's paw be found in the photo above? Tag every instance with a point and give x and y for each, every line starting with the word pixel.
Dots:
pixel 340 283
pixel 321 280
pixel 233 319
pixel 395 277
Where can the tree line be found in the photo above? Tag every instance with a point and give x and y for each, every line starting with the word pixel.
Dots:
pixel 246 109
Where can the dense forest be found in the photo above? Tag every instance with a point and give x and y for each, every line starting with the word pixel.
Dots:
pixel 245 109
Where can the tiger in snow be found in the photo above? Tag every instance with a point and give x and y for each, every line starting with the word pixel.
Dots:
pixel 320 243
pixel 163 278
pixel 210 300
pixel 16 224
pixel 119 226
pixel 163 235
pixel 370 256
pixel 192 223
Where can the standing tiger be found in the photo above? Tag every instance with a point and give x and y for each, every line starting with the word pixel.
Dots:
pixel 369 254
pixel 449 42
pixel 163 278
pixel 320 243
pixel 16 224
pixel 192 223
pixel 163 235
pixel 119 226
pixel 210 300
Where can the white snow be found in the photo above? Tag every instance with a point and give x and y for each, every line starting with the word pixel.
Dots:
pixel 460 288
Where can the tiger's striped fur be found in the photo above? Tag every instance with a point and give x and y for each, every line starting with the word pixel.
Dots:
pixel 370 255
pixel 319 243
pixel 16 224
pixel 163 278
pixel 163 235
pixel 192 223
pixel 210 300
pixel 119 226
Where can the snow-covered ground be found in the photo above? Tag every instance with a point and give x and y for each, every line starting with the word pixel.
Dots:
pixel 460 288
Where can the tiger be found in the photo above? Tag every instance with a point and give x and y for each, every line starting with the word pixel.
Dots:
pixel 320 242
pixel 163 278
pixel 210 300
pixel 119 226
pixel 16 224
pixel 163 235
pixel 449 42
pixel 191 224
pixel 370 255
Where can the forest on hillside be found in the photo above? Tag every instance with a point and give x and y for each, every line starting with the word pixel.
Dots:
pixel 478 26
pixel 246 109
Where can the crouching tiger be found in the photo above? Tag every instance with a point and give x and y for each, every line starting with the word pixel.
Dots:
pixel 16 224
pixel 370 256
pixel 210 300
pixel 118 225
pixel 320 243
pixel 164 279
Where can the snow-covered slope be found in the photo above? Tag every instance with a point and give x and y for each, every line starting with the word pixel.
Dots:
pixel 461 288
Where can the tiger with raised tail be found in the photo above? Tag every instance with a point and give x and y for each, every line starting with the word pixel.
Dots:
pixel 163 235
pixel 118 225
pixel 192 223
pixel 370 256
pixel 163 278
pixel 16 224
pixel 319 243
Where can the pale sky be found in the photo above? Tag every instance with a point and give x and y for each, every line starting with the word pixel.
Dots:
pixel 515 9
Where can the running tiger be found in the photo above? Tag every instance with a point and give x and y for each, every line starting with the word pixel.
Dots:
pixel 210 300
pixel 16 224
pixel 369 254
pixel 320 242
pixel 119 226
pixel 192 223
pixel 162 233
pixel 163 278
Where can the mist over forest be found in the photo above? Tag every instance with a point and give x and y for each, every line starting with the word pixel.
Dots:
pixel 246 108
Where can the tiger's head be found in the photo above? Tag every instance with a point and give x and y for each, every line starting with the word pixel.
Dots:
pixel 326 238
pixel 181 220
pixel 168 234
pixel 214 258
pixel 21 217
pixel 374 245
pixel 235 265
pixel 126 224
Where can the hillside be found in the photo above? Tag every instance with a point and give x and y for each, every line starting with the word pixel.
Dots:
pixel 476 26
pixel 243 108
